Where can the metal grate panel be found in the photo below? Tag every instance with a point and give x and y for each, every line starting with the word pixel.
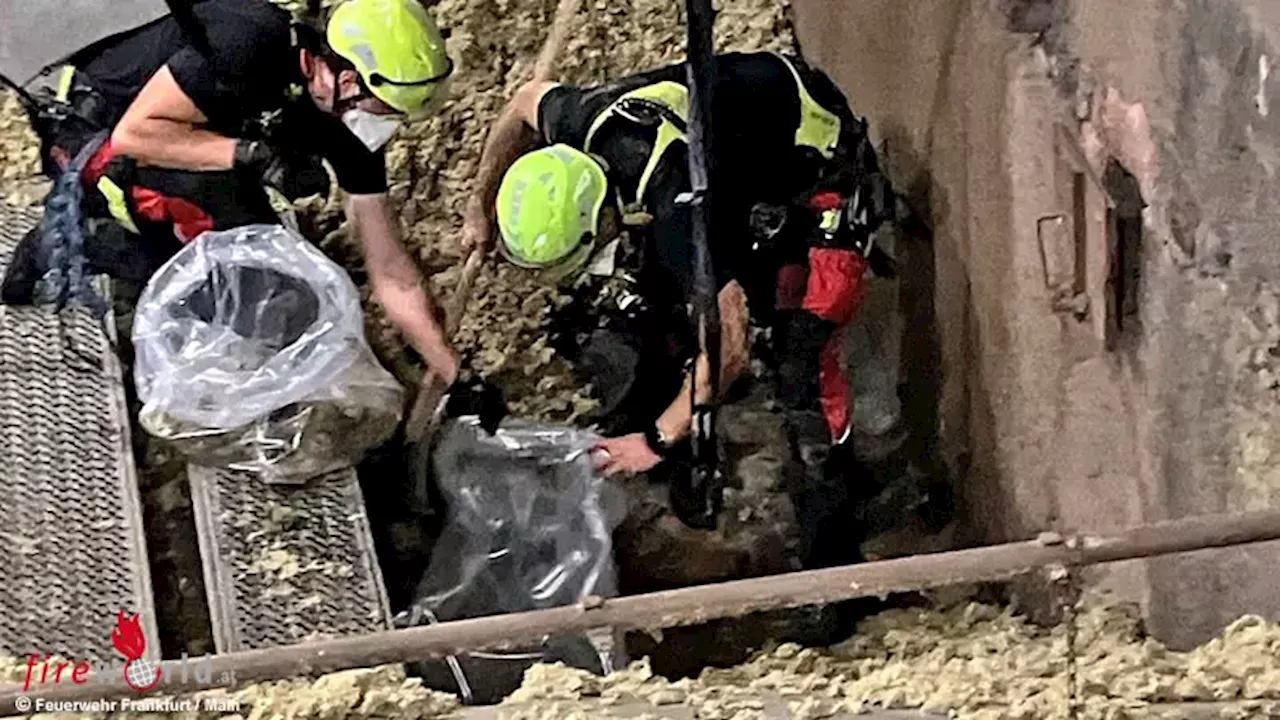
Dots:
pixel 72 549
pixel 286 564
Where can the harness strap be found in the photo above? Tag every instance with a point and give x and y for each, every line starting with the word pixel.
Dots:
pixel 666 105
pixel 64 83
pixel 819 128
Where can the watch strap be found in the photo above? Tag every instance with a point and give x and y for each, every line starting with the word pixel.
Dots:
pixel 653 437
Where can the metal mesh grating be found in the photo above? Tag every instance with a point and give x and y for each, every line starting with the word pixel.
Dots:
pixel 286 564
pixel 72 550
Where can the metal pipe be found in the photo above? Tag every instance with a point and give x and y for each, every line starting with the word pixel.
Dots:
pixel 692 605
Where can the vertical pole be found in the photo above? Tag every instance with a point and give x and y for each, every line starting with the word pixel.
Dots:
pixel 705 490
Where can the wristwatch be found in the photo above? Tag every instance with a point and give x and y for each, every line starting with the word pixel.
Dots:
pixel 658 442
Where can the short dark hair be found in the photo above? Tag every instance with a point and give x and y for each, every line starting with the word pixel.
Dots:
pixel 308 37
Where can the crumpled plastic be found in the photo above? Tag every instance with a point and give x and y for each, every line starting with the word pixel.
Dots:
pixel 251 356
pixel 529 526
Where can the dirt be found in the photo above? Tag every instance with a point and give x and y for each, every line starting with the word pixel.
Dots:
pixel 976 661
pixel 380 692
pixel 969 660
pixel 20 180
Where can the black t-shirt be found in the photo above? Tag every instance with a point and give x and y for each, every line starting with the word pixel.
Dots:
pixel 253 68
pixel 754 119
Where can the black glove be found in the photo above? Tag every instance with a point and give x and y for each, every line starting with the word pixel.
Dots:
pixel 477 397
pixel 293 174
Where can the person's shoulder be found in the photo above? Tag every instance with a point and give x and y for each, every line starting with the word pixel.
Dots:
pixel 247 24
pixel 563 113
pixel 262 13
pixel 756 64
pixel 252 40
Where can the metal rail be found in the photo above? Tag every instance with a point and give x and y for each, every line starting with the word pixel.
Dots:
pixel 694 605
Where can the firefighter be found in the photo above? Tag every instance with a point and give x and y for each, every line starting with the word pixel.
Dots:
pixel 797 195
pixel 202 121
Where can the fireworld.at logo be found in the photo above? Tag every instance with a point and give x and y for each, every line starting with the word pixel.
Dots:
pixel 140 673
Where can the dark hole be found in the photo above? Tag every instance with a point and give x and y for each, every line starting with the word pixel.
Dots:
pixel 256 303
pixel 1124 223
pixel 1080 209
pixel 1033 16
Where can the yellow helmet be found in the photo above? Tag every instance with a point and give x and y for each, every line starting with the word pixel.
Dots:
pixel 396 48
pixel 548 209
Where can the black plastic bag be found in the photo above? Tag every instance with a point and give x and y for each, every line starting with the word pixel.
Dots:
pixel 529 526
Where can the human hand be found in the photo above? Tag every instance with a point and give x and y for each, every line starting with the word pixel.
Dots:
pixel 294 175
pixel 629 453
pixel 477 229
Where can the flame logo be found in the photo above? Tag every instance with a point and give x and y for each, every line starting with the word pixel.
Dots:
pixel 131 642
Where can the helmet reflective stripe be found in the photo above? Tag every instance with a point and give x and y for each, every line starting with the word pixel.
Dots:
pixel 365 53
pixel 396 48
pixel 548 202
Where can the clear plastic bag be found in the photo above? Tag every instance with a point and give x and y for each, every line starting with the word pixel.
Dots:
pixel 529 526
pixel 251 356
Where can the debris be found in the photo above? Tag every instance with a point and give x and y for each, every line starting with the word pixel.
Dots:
pixel 21 183
pixel 970 660
pixel 977 661
pixel 1049 538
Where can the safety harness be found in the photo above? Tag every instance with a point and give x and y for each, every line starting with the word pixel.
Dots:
pixel 665 106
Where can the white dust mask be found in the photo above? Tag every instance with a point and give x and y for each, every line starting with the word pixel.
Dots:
pixel 373 130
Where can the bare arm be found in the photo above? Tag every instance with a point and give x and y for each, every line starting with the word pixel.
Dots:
pixel 514 133
pixel 162 128
pixel 734 355
pixel 398 286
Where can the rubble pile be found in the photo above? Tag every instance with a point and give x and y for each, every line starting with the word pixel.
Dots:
pixel 20 180
pixel 379 692
pixel 382 692
pixel 970 660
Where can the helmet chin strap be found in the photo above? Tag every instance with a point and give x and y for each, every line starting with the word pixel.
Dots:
pixel 372 129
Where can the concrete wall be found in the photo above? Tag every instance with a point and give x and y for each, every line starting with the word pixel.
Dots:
pixel 1009 124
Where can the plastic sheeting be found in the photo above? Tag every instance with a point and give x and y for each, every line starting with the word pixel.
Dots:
pixel 529 526
pixel 251 356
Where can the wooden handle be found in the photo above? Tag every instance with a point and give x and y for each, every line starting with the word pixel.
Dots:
pixel 545 67
pixel 422 418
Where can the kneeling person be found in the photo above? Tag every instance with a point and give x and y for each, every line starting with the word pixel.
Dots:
pixel 797 193
pixel 198 126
